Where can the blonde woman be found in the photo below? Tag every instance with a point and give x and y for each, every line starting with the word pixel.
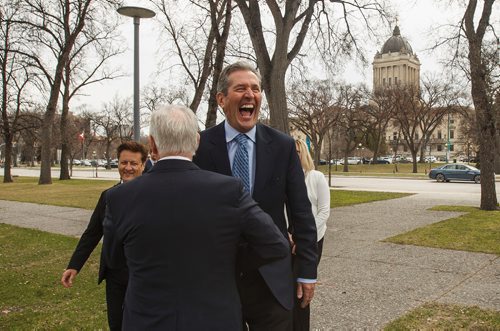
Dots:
pixel 318 193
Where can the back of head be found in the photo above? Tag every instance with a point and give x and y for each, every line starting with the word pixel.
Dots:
pixel 174 129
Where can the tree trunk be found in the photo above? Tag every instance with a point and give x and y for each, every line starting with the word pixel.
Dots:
pixel 486 121
pixel 46 142
pixel 414 159
pixel 276 99
pixel 7 175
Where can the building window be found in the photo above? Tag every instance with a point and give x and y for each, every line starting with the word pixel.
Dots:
pixel 389 80
pixel 383 81
pixel 405 148
pixel 394 136
pixel 452 148
pixel 395 80
pixel 440 135
pixel 439 148
pixel 452 134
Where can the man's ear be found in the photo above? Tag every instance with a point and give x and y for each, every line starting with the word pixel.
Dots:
pixel 152 145
pixel 220 99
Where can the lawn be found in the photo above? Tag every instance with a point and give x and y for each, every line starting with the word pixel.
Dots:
pixel 399 170
pixel 80 193
pixel 83 193
pixel 31 295
pixel 446 317
pixel 475 231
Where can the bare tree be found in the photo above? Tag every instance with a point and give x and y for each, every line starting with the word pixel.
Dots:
pixel 54 27
pixel 378 112
pixel 113 122
pixel 292 22
pixel 16 78
pixel 200 37
pixel 350 99
pixel 473 38
pixel 86 65
pixel 407 116
pixel 312 111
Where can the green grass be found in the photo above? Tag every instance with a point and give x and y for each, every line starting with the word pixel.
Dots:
pixel 446 317
pixel 80 193
pixel 475 231
pixel 31 295
pixel 340 198
pixel 402 170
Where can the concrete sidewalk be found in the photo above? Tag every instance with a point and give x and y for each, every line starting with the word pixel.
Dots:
pixel 363 283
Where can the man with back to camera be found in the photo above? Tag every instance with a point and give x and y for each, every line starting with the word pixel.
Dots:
pixel 177 229
pixel 273 175
pixel 131 158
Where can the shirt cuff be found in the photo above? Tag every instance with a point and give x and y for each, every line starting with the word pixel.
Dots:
pixel 306 281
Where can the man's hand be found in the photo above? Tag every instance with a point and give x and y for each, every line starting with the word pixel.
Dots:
pixel 305 291
pixel 67 277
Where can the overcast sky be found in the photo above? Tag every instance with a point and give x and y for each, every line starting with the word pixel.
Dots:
pixel 416 21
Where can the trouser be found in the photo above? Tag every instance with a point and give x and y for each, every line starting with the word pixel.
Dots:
pixel 115 296
pixel 261 311
pixel 302 316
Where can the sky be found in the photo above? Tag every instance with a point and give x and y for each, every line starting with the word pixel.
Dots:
pixel 416 21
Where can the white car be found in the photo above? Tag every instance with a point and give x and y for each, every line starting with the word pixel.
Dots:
pixel 352 160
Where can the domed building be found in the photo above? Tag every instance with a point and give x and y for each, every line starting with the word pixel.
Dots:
pixel 396 63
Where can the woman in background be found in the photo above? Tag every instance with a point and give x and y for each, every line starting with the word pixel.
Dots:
pixel 318 193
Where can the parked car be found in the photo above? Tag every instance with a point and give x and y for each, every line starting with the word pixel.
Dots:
pixel 455 171
pixel 77 162
pixel 352 160
pixel 113 163
pixel 430 159
pixel 335 161
pixel 380 161
pixel 323 162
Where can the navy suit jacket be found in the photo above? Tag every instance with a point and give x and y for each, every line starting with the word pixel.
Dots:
pixel 88 242
pixel 177 228
pixel 279 179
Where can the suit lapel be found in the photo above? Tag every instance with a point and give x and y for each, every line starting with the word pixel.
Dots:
pixel 218 152
pixel 264 160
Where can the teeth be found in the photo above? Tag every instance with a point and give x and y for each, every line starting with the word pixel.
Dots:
pixel 247 107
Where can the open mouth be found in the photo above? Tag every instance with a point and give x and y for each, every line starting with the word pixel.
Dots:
pixel 246 111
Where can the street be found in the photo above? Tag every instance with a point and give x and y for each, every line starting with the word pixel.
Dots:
pixel 452 190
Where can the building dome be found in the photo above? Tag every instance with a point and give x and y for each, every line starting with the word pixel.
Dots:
pixel 396 43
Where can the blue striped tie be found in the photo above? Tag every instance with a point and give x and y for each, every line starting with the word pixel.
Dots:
pixel 240 162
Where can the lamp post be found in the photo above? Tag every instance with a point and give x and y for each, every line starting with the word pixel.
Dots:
pixel 137 13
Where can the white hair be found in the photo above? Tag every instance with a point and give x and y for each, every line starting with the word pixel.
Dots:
pixel 175 130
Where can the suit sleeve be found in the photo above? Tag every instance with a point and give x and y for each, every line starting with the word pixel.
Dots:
pixel 112 250
pixel 302 223
pixel 265 242
pixel 90 237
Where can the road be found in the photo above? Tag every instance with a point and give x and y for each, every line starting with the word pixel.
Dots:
pixel 452 190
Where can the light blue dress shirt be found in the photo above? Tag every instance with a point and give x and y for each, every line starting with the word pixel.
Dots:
pixel 232 146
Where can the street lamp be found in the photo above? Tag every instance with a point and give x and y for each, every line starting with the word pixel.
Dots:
pixel 137 13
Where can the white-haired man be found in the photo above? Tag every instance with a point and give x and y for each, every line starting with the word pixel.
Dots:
pixel 177 228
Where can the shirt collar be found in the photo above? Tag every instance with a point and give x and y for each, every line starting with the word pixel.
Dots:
pixel 174 158
pixel 231 132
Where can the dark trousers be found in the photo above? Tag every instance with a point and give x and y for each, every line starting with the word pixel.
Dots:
pixel 115 296
pixel 261 310
pixel 302 316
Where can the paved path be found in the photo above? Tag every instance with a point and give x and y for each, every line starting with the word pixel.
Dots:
pixel 363 283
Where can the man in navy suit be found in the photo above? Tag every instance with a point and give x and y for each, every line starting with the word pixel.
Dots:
pixel 177 228
pixel 275 179
pixel 131 158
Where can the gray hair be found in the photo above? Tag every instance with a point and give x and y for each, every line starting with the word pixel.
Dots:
pixel 223 83
pixel 175 130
